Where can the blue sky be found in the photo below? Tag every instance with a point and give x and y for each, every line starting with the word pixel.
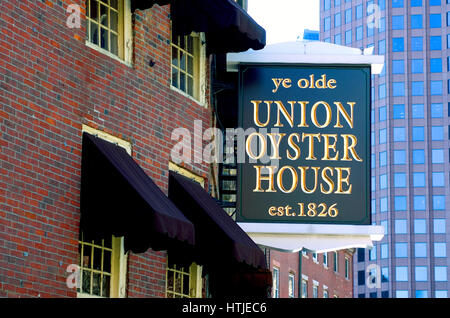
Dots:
pixel 284 20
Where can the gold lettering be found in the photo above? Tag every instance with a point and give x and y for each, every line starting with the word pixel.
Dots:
pixel 248 145
pixel 303 179
pixel 340 180
pixel 260 178
pixel 275 144
pixel 341 110
pixel 327 180
pixel 327 146
pixel 311 144
pixel 256 112
pixel 294 146
pixel 314 114
pixel 280 179
pixel 287 116
pixel 350 148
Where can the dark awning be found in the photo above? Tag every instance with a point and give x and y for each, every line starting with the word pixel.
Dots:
pixel 227 26
pixel 218 239
pixel 118 198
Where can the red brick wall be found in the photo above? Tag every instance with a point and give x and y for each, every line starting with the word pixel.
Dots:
pixel 336 282
pixel 50 84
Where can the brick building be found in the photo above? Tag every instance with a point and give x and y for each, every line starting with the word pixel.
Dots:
pixel 312 275
pixel 88 103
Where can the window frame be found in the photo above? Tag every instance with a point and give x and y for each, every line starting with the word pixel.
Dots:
pixel 125 34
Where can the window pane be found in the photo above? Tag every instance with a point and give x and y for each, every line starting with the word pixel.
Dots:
pixel 398 111
pixel 418 156
pixel 399 134
pixel 439 226
pixel 440 249
pixel 417 66
pixel 397 45
pixel 416 43
pixel 400 227
pixel 420 249
pixel 438 179
pixel 421 274
pixel 437 155
pixel 435 20
pixel 418 133
pixel 419 202
pixel 397 22
pixel 416 21
pixel 401 274
pixel 400 203
pixel 417 88
pixel 399 157
pixel 401 249
pixel 436 110
pixel 419 179
pixel 417 111
pixel 398 66
pixel 420 226
pixel 400 180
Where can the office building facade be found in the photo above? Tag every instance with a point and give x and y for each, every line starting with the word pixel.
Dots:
pixel 410 141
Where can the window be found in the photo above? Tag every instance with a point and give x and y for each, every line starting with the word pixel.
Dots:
pixel 421 294
pixel 401 294
pixel 400 227
pixel 384 250
pixel 304 288
pixel 397 22
pixel 399 180
pixel 325 259
pixel 417 66
pixel 416 21
pixel 437 110
pixel 435 43
pixel 398 67
pixel 398 89
pixel 337 3
pixel 276 283
pixel 335 261
pixel 436 65
pixel 440 273
pixel 381 47
pixel 381 91
pixel 348 15
pixel 418 156
pixel 383 204
pixel 418 133
pixel 102 264
pixel 337 38
pixel 419 202
pixel 326 4
pixel 420 249
pixel 437 155
pixel 399 157
pixel 401 273
pixel 382 113
pixel 416 43
pixel 397 45
pixel 109 26
pixel 361 254
pixel 440 249
pixel 325 293
pixel 291 285
pixel 384 224
pixel 436 88
pixel 382 25
pixel 384 274
pixel 417 111
pixel 437 133
pixel 373 253
pixel 400 203
pixel 337 20
pixel 179 281
pixel 399 134
pixel 359 33
pixel 382 135
pixel 441 294
pixel 438 202
pixel 417 88
pixel 438 179
pixel 419 179
pixel 187 57
pixel 416 3
pixel 439 226
pixel 326 23
pixel 435 20
pixel 361 278
pixel 397 3
pixel 359 11
pixel 401 249
pixel 314 257
pixel 420 226
pixel 348 36
pixel 383 181
pixel 435 2
pixel 315 290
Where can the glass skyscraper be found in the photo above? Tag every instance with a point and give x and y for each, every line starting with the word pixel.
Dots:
pixel 410 114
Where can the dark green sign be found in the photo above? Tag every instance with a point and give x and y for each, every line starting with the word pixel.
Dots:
pixel 307 144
